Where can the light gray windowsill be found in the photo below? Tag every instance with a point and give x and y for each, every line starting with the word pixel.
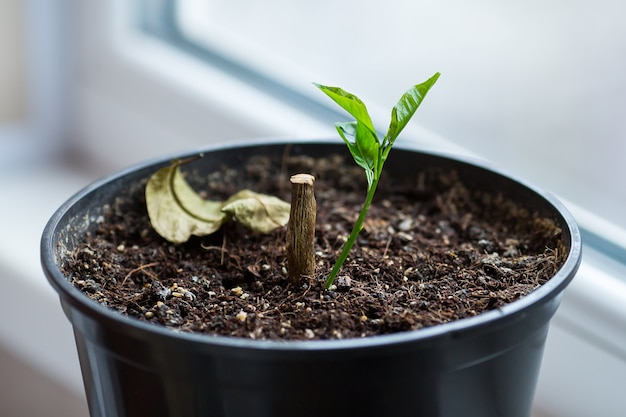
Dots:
pixel 34 327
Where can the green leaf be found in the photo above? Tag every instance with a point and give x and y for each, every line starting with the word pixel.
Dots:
pixel 258 212
pixel 176 211
pixel 350 103
pixel 362 146
pixel 405 108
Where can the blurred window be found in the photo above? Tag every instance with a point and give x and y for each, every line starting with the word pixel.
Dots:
pixel 536 87
pixel 12 83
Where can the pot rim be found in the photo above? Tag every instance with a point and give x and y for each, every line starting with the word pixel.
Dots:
pixel 549 290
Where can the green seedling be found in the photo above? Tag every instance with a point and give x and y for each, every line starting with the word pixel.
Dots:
pixel 368 151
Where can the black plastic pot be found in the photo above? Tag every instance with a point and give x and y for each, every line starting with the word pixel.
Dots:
pixel 481 366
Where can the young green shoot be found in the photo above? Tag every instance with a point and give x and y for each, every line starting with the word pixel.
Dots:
pixel 368 151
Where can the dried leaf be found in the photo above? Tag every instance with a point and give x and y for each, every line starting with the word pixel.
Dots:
pixel 177 212
pixel 258 212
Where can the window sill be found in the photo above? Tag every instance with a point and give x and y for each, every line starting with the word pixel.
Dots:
pixel 44 337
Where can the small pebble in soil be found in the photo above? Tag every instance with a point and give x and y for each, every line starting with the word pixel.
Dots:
pixel 242 316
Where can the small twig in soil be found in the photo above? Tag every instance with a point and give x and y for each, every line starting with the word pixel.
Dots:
pixel 222 249
pixel 301 228
pixel 140 268
pixel 387 247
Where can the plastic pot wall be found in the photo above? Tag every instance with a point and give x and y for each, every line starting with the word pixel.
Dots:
pixel 481 366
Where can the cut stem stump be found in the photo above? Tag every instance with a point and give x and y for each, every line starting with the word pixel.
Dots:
pixel 301 228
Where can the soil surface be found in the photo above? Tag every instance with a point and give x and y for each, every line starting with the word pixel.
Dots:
pixel 430 252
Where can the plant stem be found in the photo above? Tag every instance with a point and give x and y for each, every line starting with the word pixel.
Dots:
pixel 358 225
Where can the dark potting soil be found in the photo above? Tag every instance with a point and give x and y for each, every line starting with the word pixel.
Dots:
pixel 431 251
